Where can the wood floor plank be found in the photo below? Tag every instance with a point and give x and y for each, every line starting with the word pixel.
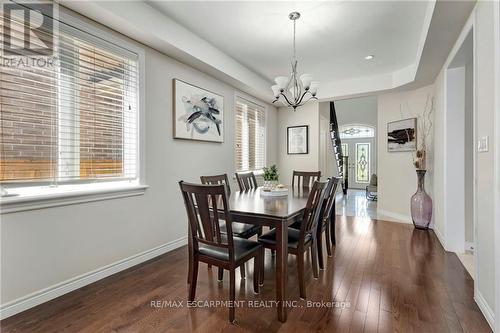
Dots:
pixel 385 277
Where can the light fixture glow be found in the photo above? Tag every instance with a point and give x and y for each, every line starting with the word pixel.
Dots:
pixel 369 57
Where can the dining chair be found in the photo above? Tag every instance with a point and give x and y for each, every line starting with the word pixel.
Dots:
pixel 217 180
pixel 305 179
pixel 242 230
pixel 301 240
pixel 326 224
pixel 246 180
pixel 209 245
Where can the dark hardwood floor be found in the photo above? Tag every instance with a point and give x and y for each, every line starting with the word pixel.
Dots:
pixel 390 277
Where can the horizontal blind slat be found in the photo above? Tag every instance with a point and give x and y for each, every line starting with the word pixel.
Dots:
pixel 75 121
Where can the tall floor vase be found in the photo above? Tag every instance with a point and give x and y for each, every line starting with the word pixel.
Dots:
pixel 421 204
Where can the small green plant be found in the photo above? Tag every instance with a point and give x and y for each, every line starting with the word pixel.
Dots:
pixel 271 173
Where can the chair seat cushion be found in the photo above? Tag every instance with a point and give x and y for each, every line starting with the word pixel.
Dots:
pixel 242 248
pixel 242 230
pixel 293 238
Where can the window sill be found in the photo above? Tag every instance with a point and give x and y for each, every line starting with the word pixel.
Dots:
pixel 63 197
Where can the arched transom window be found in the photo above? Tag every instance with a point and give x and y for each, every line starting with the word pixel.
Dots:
pixel 352 131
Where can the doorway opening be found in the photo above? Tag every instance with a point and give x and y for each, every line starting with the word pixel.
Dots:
pixel 461 155
pixel 357 120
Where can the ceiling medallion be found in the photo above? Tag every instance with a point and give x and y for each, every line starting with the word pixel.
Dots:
pixel 295 92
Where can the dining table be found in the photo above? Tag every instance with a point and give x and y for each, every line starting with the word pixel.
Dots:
pixel 278 212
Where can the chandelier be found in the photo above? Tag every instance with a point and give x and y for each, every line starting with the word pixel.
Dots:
pixel 295 90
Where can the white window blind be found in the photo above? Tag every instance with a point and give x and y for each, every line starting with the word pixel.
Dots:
pixel 75 121
pixel 250 136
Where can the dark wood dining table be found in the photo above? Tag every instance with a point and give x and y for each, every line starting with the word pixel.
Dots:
pixel 275 212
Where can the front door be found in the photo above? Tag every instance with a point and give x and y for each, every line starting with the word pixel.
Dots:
pixel 360 161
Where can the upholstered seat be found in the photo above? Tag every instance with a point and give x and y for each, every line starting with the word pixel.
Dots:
pixel 242 248
pixel 242 230
pixel 209 245
pixel 293 238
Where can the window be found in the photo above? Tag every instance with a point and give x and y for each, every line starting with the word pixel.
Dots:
pixel 362 162
pixel 356 131
pixel 74 121
pixel 250 136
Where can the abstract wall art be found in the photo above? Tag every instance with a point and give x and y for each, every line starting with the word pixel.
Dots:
pixel 402 135
pixel 198 113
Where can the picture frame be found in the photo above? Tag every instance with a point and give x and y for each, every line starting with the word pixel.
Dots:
pixel 197 113
pixel 297 140
pixel 402 135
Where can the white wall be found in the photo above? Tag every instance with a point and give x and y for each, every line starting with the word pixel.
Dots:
pixel 362 110
pixel 397 179
pixel 469 152
pixel 484 283
pixel 304 115
pixel 45 247
pixel 485 104
pixel 455 157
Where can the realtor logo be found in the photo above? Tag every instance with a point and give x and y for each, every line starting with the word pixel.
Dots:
pixel 28 28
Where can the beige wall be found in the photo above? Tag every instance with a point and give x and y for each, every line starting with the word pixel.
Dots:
pixel 397 180
pixel 45 247
pixel 305 115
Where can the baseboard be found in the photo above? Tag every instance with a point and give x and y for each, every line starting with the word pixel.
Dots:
pixel 485 308
pixel 469 246
pixel 439 236
pixel 24 303
pixel 396 217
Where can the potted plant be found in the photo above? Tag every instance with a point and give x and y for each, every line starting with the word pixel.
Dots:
pixel 270 176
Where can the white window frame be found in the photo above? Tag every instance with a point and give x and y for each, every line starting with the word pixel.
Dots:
pixel 35 197
pixel 249 99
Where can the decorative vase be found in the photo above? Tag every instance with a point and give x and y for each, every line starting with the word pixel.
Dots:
pixel 421 204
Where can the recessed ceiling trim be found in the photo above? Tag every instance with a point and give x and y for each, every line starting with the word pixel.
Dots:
pixel 143 23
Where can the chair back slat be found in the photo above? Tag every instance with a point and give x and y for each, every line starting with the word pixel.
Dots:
pixel 305 179
pixel 313 207
pixel 329 203
pixel 246 180
pixel 204 204
pixel 217 180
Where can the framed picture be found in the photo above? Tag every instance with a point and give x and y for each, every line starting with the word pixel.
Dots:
pixel 297 138
pixel 198 113
pixel 402 135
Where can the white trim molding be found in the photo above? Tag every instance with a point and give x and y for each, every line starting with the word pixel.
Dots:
pixel 440 237
pixel 488 313
pixel 496 180
pixel 47 294
pixel 65 198
pixel 393 217
pixel 470 246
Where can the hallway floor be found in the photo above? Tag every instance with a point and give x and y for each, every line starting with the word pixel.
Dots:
pixel 356 204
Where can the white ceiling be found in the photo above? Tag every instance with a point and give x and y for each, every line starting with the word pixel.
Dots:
pixel 247 44
pixel 333 37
